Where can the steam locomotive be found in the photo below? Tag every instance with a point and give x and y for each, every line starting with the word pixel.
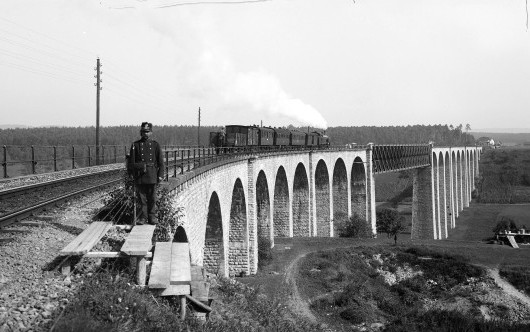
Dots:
pixel 237 135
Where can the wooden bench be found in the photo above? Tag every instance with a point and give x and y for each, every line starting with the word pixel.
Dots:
pixel 173 275
pixel 170 270
pixel 510 236
pixel 137 245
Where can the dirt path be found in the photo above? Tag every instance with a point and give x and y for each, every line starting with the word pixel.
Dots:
pixel 297 304
pixel 507 287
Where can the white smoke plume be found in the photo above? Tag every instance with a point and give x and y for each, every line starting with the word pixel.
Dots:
pixel 208 75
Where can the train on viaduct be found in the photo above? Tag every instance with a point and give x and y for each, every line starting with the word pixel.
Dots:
pixel 233 207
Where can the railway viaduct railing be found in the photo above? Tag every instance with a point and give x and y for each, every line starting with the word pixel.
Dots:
pixel 26 160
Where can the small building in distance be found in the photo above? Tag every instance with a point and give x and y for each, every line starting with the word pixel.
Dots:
pixel 486 142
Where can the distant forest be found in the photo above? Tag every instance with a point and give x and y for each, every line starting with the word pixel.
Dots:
pixel 441 135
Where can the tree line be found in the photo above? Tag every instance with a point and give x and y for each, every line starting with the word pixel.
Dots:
pixel 440 135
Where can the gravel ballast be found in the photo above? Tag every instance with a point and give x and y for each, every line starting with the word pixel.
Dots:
pixel 33 292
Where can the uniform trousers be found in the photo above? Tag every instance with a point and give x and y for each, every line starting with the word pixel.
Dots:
pixel 147 193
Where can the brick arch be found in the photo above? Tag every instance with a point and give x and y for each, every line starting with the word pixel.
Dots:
pixel 358 188
pixel 238 259
pixel 322 193
pixel 263 216
pixel 281 205
pixel 300 205
pixel 180 235
pixel 214 251
pixel 340 192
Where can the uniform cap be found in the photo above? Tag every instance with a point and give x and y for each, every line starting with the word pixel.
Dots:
pixel 147 126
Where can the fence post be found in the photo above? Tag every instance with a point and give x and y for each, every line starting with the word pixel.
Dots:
pixel 175 163
pixel 89 157
pixel 103 155
pixel 33 162
pixel 4 164
pixel 181 161
pixel 115 154
pixel 55 159
pixel 189 155
pixel 73 157
pixel 167 165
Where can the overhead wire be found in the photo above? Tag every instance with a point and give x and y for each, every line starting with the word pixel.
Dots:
pixel 191 3
pixel 68 70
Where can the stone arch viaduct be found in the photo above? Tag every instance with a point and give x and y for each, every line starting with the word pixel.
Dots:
pixel 235 207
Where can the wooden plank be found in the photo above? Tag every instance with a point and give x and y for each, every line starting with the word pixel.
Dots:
pixel 198 273
pixel 84 242
pixel 180 264
pixel 198 303
pixel 173 290
pixel 512 242
pixel 138 242
pixel 111 254
pixel 200 290
pixel 161 266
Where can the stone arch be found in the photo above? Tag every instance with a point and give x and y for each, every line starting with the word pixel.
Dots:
pixel 180 235
pixel 460 179
pixel 214 251
pixel 456 205
pixel 322 194
pixel 447 193
pixel 358 188
pixel 263 215
pixel 443 195
pixel 281 204
pixel 340 193
pixel 238 259
pixel 301 225
pixel 436 188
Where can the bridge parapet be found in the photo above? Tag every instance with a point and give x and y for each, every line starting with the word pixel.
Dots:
pixel 390 158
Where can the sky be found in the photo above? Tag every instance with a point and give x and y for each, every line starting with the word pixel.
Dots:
pixel 276 62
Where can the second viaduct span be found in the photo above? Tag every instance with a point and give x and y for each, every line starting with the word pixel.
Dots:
pixel 234 207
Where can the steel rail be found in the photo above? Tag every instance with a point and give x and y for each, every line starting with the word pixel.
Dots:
pixel 23 213
pixel 21 189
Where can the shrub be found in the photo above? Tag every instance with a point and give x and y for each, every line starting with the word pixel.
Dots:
pixel 356 227
pixel 505 224
pixel 357 314
pixel 169 216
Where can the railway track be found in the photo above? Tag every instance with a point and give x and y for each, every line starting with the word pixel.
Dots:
pixel 19 203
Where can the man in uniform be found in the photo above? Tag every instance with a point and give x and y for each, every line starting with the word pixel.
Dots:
pixel 146 164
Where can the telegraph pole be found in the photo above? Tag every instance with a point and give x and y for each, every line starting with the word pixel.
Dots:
pixel 199 129
pixel 98 89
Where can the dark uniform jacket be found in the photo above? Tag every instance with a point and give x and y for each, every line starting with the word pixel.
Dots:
pixel 146 161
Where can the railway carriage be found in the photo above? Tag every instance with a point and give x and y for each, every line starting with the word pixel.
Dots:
pixel 282 137
pixel 237 135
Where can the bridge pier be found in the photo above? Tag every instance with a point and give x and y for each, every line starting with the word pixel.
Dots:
pixel 423 219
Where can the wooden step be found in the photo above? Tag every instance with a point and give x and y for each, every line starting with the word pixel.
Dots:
pixel 139 240
pixel 161 266
pixel 180 264
pixel 84 242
